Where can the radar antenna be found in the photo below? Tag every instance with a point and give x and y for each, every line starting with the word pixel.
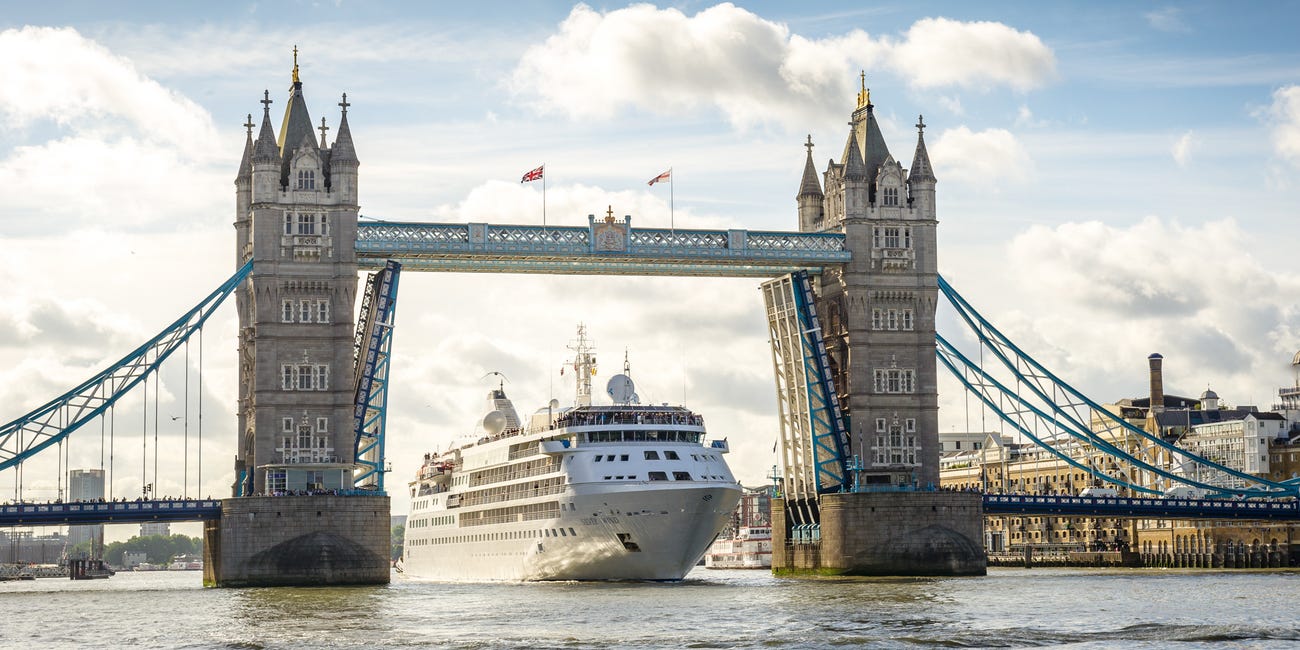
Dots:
pixel 501 383
pixel 584 366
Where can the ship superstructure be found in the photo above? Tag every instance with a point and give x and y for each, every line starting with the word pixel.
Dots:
pixel 624 491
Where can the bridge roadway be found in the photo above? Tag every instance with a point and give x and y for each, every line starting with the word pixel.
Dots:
pixel 596 248
pixel 1139 508
pixel 110 512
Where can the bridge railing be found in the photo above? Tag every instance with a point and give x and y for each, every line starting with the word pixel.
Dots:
pixel 1140 507
pixel 29 514
pixel 447 243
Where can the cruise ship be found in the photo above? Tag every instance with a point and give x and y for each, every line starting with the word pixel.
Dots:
pixel 589 492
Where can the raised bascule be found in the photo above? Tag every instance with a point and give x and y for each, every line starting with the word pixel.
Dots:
pixel 850 301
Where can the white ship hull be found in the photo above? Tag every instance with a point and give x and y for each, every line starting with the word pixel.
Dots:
pixel 634 532
pixel 619 492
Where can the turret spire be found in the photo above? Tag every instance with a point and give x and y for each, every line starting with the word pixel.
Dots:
pixel 810 185
pixel 265 148
pixel 246 161
pixel 295 64
pixel 322 128
pixel 921 169
pixel 854 167
pixel 343 151
pixel 864 95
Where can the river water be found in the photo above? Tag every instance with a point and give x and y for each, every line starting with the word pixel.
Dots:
pixel 1076 608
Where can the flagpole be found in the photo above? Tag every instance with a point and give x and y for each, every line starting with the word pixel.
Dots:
pixel 672 220
pixel 543 196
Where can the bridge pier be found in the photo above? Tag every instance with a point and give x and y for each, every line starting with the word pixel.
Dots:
pixel 887 533
pixel 298 541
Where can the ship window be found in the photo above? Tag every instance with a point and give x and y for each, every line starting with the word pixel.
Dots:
pixel 671 455
pixel 597 458
pixel 572 533
pixel 652 455
pixel 681 476
pixel 607 478
pixel 563 534
pixel 623 457
pixel 618 478
pixel 695 457
pixel 633 477
pixel 658 476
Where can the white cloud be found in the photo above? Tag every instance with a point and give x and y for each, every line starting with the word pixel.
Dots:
pixel 124 141
pixel 1093 300
pixel 1284 113
pixel 753 70
pixel 951 104
pixel 58 75
pixel 1168 19
pixel 944 52
pixel 1183 148
pixel 985 159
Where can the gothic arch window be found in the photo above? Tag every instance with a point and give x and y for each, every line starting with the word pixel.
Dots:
pixel 306 179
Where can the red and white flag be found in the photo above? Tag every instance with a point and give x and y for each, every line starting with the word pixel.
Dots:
pixel 662 177
pixel 534 175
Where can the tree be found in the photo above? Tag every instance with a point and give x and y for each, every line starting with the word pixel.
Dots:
pixel 399 540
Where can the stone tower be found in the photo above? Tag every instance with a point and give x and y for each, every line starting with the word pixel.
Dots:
pixel 877 312
pixel 296 219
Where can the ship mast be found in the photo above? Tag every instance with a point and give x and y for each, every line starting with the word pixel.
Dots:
pixel 584 366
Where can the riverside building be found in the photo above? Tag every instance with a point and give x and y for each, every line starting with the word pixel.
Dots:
pixel 1244 438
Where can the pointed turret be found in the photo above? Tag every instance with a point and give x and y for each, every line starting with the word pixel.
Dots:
pixel 246 161
pixel 811 208
pixel 265 148
pixel 343 150
pixel 870 140
pixel 856 182
pixel 854 168
pixel 921 180
pixel 343 161
pixel 296 125
pixel 266 157
pixel 921 169
pixel 810 186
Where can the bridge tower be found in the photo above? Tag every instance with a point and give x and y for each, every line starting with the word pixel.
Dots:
pixel 876 314
pixel 296 221
pixel 877 311
pixel 296 216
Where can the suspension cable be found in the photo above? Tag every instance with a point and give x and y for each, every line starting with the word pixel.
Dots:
pixel 199 466
pixel 186 424
pixel 112 430
pixel 157 382
pixel 144 438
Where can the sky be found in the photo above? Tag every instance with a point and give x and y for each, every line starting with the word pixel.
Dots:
pixel 1115 179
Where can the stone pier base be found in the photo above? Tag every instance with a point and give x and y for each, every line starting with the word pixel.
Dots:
pixel 298 541
pixel 887 534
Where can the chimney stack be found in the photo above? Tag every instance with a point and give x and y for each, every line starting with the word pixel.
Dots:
pixel 1157 383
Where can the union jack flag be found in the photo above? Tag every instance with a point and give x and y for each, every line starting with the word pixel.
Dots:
pixel 533 175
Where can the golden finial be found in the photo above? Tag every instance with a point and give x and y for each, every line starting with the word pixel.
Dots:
pixel 864 95
pixel 609 215
pixel 295 64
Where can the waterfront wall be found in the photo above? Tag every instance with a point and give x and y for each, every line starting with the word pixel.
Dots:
pixel 298 541
pixel 887 533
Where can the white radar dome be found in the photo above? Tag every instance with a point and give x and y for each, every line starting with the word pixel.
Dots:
pixel 494 422
pixel 621 389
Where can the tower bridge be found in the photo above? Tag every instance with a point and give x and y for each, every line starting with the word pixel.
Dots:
pixel 851 297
